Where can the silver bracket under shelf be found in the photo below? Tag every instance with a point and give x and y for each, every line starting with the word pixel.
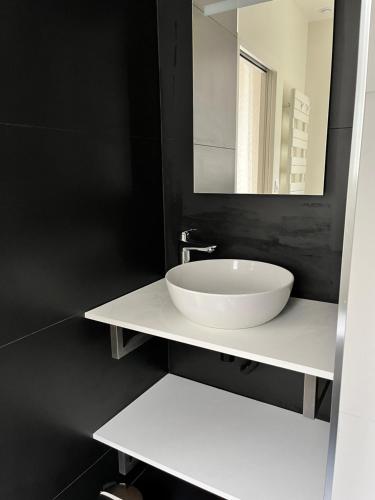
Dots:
pixel 309 396
pixel 123 343
pixel 126 463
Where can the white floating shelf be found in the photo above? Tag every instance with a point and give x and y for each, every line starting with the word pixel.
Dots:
pixel 302 338
pixel 229 445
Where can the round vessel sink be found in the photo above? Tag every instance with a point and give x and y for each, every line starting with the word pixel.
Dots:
pixel 229 293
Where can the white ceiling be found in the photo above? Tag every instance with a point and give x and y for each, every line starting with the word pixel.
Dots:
pixel 226 4
pixel 312 9
pixel 203 3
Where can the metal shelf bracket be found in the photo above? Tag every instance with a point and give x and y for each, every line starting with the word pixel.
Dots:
pixel 125 342
pixel 126 463
pixel 309 396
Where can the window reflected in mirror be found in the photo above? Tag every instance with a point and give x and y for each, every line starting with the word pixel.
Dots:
pixel 261 95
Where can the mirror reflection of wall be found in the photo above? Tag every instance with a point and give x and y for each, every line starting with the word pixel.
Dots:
pixel 261 95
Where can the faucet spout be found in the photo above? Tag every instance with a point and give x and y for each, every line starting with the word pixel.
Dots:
pixel 185 253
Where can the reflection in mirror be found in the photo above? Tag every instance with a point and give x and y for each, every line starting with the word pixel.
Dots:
pixel 262 71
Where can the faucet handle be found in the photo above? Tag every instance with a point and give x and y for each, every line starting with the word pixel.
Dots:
pixel 185 235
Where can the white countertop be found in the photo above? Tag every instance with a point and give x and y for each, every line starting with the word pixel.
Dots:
pixel 229 445
pixel 302 338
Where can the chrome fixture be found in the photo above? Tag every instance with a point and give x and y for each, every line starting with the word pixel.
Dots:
pixel 185 252
pixel 185 235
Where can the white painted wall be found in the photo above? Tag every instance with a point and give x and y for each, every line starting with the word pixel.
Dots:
pixel 276 34
pixel 354 472
pixel 300 52
pixel 318 79
pixel 215 82
pixel 215 103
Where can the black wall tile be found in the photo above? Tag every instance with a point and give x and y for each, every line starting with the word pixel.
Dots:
pixel 70 204
pixel 344 63
pixel 177 161
pixel 143 75
pixel 176 64
pixel 65 63
pixel 155 484
pixel 59 386
pixel 82 223
pixel 265 383
pixel 147 205
pixel 90 483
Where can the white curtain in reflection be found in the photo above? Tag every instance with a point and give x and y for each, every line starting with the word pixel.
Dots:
pixel 250 127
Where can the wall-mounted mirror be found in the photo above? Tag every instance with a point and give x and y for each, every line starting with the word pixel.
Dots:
pixel 262 71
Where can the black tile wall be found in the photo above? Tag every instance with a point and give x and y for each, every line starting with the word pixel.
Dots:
pixel 90 482
pixel 66 65
pixel 344 59
pixel 81 223
pixel 65 203
pixel 302 233
pixel 236 375
pixel 268 384
pixel 155 484
pixel 143 76
pixel 59 386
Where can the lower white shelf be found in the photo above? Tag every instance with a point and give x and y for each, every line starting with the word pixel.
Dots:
pixel 229 445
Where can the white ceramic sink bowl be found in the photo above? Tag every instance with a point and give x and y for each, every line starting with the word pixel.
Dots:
pixel 229 293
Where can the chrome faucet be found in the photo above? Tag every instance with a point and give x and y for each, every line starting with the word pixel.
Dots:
pixel 185 252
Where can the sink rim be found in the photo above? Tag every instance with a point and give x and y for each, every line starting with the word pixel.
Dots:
pixel 288 283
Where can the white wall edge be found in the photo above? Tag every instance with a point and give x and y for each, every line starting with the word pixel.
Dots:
pixel 355 156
